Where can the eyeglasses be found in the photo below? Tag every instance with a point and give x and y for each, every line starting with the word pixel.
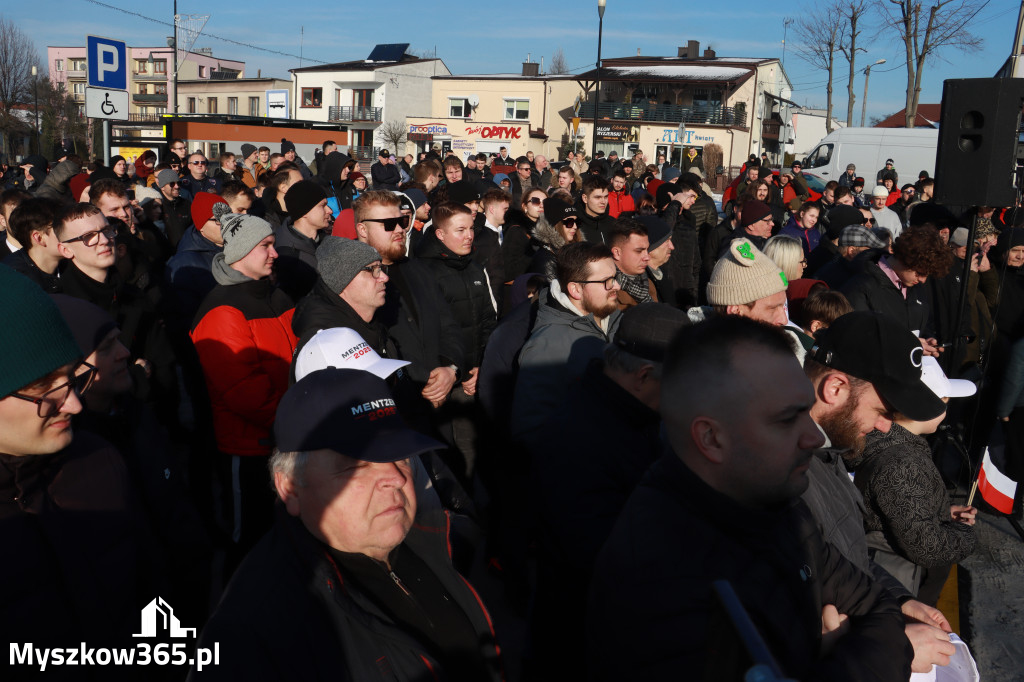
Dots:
pixel 390 223
pixel 609 283
pixel 536 201
pixel 197 163
pixel 91 238
pixel 375 270
pixel 50 403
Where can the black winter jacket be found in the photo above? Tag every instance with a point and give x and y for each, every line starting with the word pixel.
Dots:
pixel 464 286
pixel 177 219
pixel 683 266
pixel 19 261
pixel 652 595
pixel 316 625
pixel 296 260
pixel 593 228
pixel 873 290
pixel 385 176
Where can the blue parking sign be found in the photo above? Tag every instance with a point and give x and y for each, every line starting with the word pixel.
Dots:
pixel 108 63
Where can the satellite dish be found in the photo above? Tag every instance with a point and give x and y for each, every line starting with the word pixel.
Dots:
pixel 474 101
pixel 581 132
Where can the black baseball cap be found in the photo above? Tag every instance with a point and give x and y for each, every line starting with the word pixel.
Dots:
pixel 878 349
pixel 463 192
pixel 350 411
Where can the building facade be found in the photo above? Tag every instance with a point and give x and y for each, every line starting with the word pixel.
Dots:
pixel 254 97
pixel 151 73
pixel 381 90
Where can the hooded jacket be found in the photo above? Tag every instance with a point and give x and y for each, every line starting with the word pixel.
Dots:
pixel 56 184
pixel 464 285
pixel 562 344
pixel 243 336
pixel 551 240
pixel 330 179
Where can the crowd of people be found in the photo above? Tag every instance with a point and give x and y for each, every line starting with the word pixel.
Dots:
pixel 302 405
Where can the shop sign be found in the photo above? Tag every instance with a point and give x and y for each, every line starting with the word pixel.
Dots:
pixel 497 132
pixel 617 132
pixel 672 136
pixel 428 129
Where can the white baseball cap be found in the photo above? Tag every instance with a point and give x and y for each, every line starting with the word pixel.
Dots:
pixel 343 348
pixel 935 379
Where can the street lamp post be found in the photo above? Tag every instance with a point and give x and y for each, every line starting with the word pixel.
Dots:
pixel 35 90
pixel 597 85
pixel 864 103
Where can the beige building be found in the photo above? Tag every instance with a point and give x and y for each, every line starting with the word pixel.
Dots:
pixel 233 97
pixel 482 113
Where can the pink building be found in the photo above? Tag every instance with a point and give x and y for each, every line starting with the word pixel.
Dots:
pixel 150 75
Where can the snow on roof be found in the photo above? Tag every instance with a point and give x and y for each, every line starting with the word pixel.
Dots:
pixel 697 72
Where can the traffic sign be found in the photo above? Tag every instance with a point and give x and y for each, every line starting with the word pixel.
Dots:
pixel 575 125
pixel 104 103
pixel 107 62
pixel 577 105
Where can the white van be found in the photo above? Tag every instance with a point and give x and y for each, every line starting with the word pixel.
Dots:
pixel 911 149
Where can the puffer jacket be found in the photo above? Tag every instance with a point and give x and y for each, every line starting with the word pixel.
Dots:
pixel 243 336
pixel 562 344
pixel 907 506
pixel 464 285
pixel 551 240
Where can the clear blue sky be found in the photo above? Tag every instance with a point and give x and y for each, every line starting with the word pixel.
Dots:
pixel 474 37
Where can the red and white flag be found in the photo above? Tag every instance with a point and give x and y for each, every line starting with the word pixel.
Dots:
pixel 995 487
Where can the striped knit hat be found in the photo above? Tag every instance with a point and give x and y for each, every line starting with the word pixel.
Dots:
pixel 744 275
pixel 34 336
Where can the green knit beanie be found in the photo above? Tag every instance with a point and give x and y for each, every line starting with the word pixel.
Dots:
pixel 34 338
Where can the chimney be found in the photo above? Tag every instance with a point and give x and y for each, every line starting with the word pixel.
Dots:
pixel 531 68
pixel 709 53
pixel 691 51
pixel 259 73
pixel 638 52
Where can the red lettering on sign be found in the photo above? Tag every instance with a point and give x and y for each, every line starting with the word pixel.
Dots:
pixel 499 132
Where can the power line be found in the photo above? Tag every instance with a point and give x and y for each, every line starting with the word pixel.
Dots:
pixel 208 35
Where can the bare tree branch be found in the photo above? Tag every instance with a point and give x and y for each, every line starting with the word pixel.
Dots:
pixel 17 55
pixel 818 33
pixel 558 63
pixel 945 23
pixel 853 20
pixel 394 135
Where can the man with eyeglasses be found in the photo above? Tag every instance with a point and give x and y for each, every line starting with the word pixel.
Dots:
pixel 243 336
pixel 70 509
pixel 525 178
pixel 196 180
pixel 755 225
pixel 578 314
pixel 414 312
pixel 87 241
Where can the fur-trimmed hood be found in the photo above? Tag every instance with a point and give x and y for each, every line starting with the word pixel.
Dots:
pixel 547 234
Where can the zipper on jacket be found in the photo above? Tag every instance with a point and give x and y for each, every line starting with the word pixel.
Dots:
pixel 398 581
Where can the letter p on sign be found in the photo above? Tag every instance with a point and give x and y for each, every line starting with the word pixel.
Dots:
pixel 107 63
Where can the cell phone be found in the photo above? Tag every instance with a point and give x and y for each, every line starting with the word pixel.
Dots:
pixel 131 194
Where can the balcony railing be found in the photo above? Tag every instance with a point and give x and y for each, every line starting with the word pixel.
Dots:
pixel 353 114
pixel 770 129
pixel 364 153
pixel 75 73
pixel 146 97
pixel 666 113
pixel 145 118
pixel 146 76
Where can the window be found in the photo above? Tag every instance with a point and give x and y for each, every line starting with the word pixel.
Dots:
pixel 233 105
pixel 312 97
pixel 142 88
pixel 140 66
pixel 191 105
pixel 211 105
pixel 254 106
pixel 159 66
pixel 160 88
pixel 159 110
pixel 78 88
pixel 76 65
pixel 362 98
pixel 517 109
pixel 820 156
pixel 458 107
pixel 58 64
pixel 202 72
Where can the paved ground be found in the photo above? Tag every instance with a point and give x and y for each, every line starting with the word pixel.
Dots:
pixel 992 601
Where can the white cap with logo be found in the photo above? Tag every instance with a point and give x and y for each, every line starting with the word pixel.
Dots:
pixel 343 348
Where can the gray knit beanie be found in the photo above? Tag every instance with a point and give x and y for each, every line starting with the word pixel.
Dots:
pixel 744 275
pixel 339 260
pixel 240 232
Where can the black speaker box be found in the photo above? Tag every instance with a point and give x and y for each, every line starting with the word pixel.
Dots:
pixel 978 137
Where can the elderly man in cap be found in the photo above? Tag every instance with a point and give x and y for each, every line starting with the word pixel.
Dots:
pixel 854 240
pixel 585 473
pixel 362 583
pixel 242 334
pixel 747 283
pixel 721 504
pixel 384 173
pixel 756 223
pixel 866 367
pixel 309 219
pixel 883 215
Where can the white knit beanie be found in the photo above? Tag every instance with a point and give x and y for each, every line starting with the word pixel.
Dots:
pixel 744 275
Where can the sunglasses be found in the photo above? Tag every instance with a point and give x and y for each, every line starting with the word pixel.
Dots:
pixel 197 163
pixel 569 222
pixel 49 403
pixel 92 237
pixel 536 201
pixel 390 223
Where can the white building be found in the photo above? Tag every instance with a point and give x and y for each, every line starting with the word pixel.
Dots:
pixel 387 86
pixel 809 128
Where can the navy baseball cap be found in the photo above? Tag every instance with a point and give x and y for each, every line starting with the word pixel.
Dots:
pixel 349 411
pixel 878 349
